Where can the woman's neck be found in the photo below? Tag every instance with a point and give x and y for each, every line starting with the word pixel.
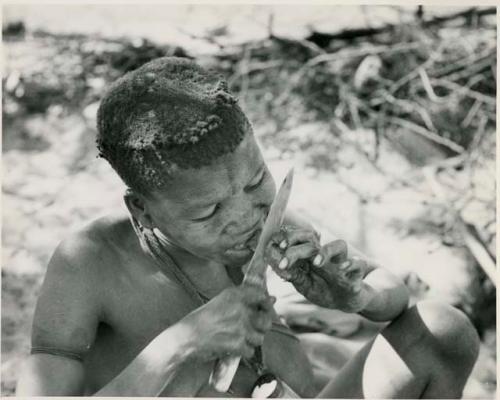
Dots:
pixel 183 258
pixel 210 275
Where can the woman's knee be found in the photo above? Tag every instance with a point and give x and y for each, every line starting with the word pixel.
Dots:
pixel 449 332
pixel 436 327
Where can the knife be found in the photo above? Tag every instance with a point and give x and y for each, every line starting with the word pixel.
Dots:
pixel 225 369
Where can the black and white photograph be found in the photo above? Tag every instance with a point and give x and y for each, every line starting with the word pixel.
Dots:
pixel 251 200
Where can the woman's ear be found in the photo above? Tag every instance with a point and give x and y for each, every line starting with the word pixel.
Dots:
pixel 136 204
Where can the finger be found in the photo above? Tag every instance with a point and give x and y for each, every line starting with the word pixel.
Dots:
pixel 255 338
pixel 261 321
pixel 296 236
pixel 247 350
pixel 354 269
pixel 299 252
pixel 257 298
pixel 278 237
pixel 265 306
pixel 253 295
pixel 273 255
pixel 334 252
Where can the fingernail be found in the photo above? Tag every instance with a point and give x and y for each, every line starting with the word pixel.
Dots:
pixel 317 260
pixel 273 299
pixel 345 264
pixel 283 263
pixel 283 244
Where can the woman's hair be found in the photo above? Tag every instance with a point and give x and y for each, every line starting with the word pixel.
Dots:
pixel 168 114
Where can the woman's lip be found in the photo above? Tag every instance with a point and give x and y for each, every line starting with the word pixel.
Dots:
pixel 248 243
pixel 244 236
pixel 250 231
pixel 243 254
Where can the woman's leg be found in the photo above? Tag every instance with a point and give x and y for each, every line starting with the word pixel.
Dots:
pixel 427 352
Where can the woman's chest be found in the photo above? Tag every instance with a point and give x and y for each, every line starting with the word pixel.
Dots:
pixel 139 307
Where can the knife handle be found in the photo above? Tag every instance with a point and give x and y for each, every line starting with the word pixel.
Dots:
pixel 223 373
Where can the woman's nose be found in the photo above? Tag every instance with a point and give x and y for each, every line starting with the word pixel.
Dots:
pixel 245 217
pixel 251 207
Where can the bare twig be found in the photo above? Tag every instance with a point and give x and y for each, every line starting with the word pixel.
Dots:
pixel 244 75
pixel 255 67
pixel 362 52
pixel 353 111
pixel 449 163
pixel 323 38
pixel 342 55
pixel 449 69
pixel 471 69
pixel 472 241
pixel 427 85
pixel 422 131
pixel 473 153
pixel 406 105
pixel 428 134
pixel 465 91
pixel 270 25
pixel 414 73
pixel 207 38
pixel 363 197
pixel 478 250
pixel 471 114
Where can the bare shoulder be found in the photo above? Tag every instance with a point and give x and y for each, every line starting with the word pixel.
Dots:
pixel 72 297
pixel 93 246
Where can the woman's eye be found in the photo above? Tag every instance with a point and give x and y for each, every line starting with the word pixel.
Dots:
pixel 210 215
pixel 259 181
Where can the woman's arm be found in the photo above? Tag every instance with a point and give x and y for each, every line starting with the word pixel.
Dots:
pixel 64 329
pixel 335 275
pixel 389 295
pixel 156 367
pixel 66 320
pixel 46 374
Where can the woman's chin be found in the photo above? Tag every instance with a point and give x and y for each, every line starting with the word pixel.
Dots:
pixel 237 257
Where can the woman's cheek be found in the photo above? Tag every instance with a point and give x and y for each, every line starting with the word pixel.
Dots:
pixel 268 192
pixel 203 236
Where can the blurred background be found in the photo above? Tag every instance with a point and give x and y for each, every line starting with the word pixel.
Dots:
pixel 387 113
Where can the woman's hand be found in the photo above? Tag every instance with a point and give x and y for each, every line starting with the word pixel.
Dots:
pixel 325 275
pixel 232 323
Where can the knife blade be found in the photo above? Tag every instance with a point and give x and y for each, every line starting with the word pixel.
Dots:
pixel 256 269
pixel 255 274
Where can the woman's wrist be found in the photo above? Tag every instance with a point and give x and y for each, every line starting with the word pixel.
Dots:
pixel 372 300
pixel 384 304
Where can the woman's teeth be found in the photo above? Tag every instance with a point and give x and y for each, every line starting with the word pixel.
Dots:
pixel 250 243
pixel 240 246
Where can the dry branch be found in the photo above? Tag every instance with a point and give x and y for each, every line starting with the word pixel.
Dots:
pixel 323 39
pixel 478 250
pixel 465 91
pixel 341 55
pixel 428 134
pixel 469 233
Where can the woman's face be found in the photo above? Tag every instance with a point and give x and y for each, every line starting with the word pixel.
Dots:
pixel 214 211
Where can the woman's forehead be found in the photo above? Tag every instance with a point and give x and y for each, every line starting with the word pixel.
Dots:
pixel 209 184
